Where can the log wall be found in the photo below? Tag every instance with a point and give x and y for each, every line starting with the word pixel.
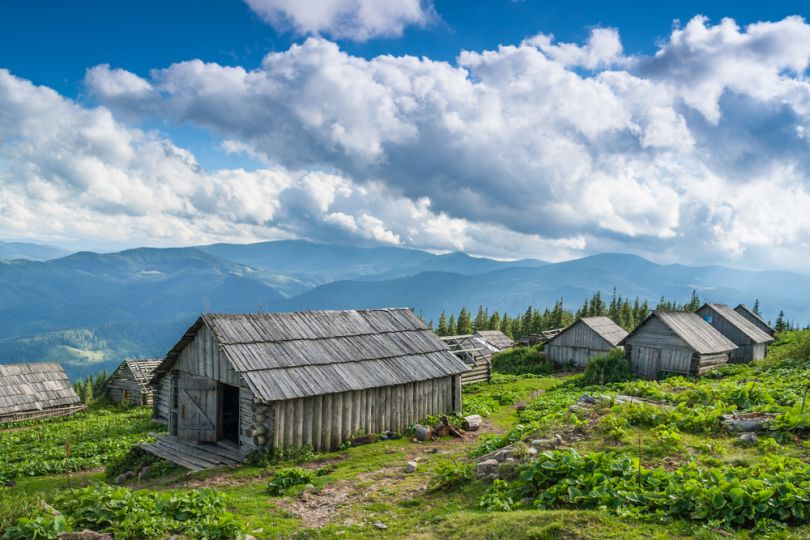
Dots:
pixel 481 372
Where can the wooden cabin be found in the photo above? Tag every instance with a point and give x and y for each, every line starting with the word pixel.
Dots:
pixel 585 338
pixel 752 343
pixel 269 381
pixel 496 339
pixel 129 384
pixel 35 390
pixel 675 342
pixel 749 314
pixel 476 353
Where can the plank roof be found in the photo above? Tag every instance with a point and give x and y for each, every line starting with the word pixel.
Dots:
pixel 605 327
pixel 754 333
pixel 495 338
pixel 34 387
pixel 702 337
pixel 284 356
pixel 752 314
pixel 142 370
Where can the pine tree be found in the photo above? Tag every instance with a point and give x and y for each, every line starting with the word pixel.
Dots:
pixel 756 308
pixel 464 322
pixel 495 321
pixel 88 390
pixel 780 325
pixel 694 302
pixel 481 321
pixel 441 329
pixel 451 326
pixel 506 325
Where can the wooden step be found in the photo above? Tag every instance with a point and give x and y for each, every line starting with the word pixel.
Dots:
pixel 194 456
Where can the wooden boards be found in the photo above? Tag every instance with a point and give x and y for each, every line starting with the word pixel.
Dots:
pixel 191 456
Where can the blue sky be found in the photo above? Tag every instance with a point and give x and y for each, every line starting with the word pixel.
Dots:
pixel 673 130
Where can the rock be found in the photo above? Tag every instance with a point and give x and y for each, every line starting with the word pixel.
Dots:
pixel 364 439
pixel 748 439
pixel 441 430
pixel 380 525
pixel 747 422
pixel 532 451
pixel 121 478
pixel 410 467
pixel 472 422
pixel 423 433
pixel 85 535
pixel 486 467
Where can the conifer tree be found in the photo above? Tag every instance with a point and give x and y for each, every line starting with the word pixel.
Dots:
pixel 441 329
pixel 464 322
pixel 495 321
pixel 756 308
pixel 780 325
pixel 481 320
pixel 451 326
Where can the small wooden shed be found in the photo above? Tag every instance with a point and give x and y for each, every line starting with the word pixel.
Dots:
pixel 585 338
pixel 675 342
pixel 279 380
pixel 35 390
pixel 749 314
pixel 476 353
pixel 129 384
pixel 495 338
pixel 752 343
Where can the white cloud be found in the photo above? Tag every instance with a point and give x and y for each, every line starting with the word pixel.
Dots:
pixel 538 149
pixel 353 19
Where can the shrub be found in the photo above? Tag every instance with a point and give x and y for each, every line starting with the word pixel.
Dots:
pixel 607 368
pixel 142 463
pixel 283 479
pixel 451 475
pixel 522 360
pixel 498 498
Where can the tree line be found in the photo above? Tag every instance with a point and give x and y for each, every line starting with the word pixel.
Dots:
pixel 625 312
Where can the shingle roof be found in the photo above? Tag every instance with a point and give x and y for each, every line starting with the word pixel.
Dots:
pixel 748 328
pixel 290 355
pixel 143 369
pixel 690 327
pixel 753 315
pixel 605 327
pixel 34 387
pixel 495 338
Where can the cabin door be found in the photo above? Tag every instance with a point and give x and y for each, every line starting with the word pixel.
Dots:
pixel 197 403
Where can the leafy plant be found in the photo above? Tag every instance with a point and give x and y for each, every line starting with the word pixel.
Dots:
pixel 284 479
pixel 522 360
pixel 607 368
pixel 451 475
pixel 497 498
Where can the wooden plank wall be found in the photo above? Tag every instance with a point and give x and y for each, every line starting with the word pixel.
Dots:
pixel 478 374
pixel 746 350
pixel 123 379
pixel 325 422
pixel 579 356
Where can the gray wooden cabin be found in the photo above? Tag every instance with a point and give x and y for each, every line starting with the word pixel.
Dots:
pixel 752 343
pixel 495 338
pixel 749 314
pixel 35 390
pixel 129 384
pixel 675 342
pixel 476 353
pixel 585 338
pixel 282 380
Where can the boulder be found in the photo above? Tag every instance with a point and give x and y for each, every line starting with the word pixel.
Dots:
pixel 748 438
pixel 423 433
pixel 486 468
pixel 410 467
pixel 747 422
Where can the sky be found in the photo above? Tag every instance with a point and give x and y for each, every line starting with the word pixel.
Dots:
pixel 672 130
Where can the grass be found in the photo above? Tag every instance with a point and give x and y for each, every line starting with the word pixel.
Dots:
pixel 368 485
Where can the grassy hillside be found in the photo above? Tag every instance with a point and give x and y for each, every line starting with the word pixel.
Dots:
pixel 661 466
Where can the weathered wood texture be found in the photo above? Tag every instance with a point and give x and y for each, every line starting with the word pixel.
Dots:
pixel 751 341
pixel 496 338
pixel 749 314
pixel 129 384
pixel 585 338
pixel 656 347
pixel 325 422
pixel 481 372
pixel 35 390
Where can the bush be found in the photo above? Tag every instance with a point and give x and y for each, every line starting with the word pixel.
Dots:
pixel 284 479
pixel 522 360
pixel 607 368
pixel 138 461
pixel 451 475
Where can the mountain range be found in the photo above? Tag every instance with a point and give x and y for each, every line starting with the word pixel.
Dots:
pixel 90 310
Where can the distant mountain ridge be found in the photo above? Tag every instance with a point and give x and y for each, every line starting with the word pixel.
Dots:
pixel 35 252
pixel 90 310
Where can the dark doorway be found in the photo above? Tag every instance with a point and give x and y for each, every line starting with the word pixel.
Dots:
pixel 230 413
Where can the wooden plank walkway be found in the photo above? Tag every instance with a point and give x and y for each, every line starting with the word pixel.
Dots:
pixel 194 456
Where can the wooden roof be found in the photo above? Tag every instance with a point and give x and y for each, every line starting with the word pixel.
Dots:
pixel 495 338
pixel 702 337
pixel 606 328
pixel 754 333
pixel 34 387
pixel 291 355
pixel 748 310
pixel 142 370
pixel 469 348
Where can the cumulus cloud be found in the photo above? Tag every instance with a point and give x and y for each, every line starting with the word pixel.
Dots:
pixel 353 19
pixel 543 149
